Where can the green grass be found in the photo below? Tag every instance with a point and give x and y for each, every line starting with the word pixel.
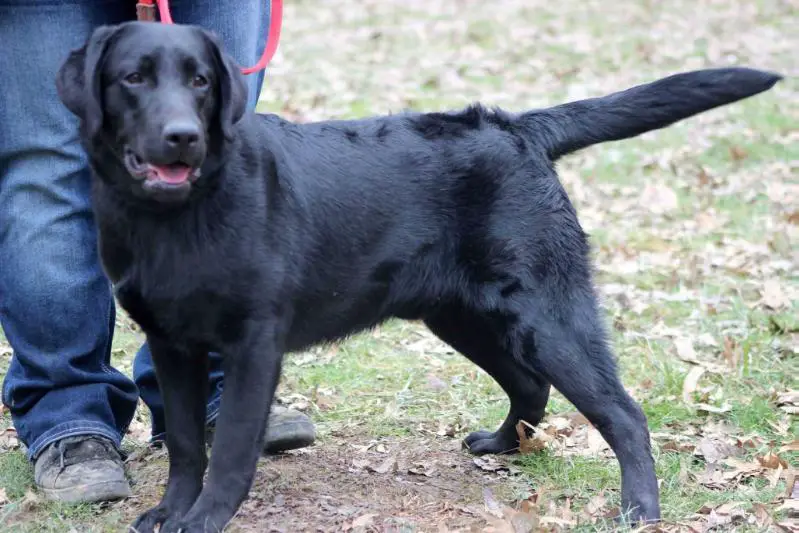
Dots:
pixel 16 476
pixel 399 385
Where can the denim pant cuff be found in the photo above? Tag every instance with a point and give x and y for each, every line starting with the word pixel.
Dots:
pixel 72 429
pixel 212 411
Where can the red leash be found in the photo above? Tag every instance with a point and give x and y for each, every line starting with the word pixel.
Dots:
pixel 145 10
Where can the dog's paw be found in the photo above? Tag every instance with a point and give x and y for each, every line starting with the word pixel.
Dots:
pixel 160 516
pixel 490 442
pixel 643 510
pixel 198 525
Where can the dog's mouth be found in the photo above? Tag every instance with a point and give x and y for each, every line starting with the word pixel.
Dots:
pixel 176 174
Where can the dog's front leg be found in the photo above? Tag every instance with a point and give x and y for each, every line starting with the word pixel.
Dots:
pixel 252 372
pixel 183 380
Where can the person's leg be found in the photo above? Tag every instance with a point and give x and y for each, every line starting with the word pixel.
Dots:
pixel 144 375
pixel 56 306
pixel 242 26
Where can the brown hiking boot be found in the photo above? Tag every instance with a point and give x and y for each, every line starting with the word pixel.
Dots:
pixel 80 469
pixel 287 429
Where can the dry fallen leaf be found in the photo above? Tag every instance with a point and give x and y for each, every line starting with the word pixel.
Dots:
pixel 730 508
pixel 489 463
pixel 448 429
pixel 741 470
pixel 775 477
pixel 596 443
pixel 3 496
pixel 762 516
pixel 389 465
pixel 724 515
pixel 9 439
pixel 531 444
pixel 792 484
pixel 364 521
pixel 773 295
pixel 685 350
pixel 791 526
pixel 737 153
pixel 691 382
pixel 578 419
pixel 436 383
pixel 566 435
pixel 791 506
pixel 139 431
pixel 360 464
pixel 780 427
pixel 504 519
pixel 492 506
pixel 726 408
pixel 789 401
pixel 559 425
pixel 532 502
pixel 496 525
pixel 596 505
pixel 674 446
pixel 659 199
pixel 732 352
pixel 748 442
pixel 687 353
pixel 422 469
pixel 714 477
pixel 559 515
pixel 30 501
pixel 713 450
pixel 772 460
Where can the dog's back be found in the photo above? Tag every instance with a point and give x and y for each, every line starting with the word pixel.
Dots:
pixel 428 202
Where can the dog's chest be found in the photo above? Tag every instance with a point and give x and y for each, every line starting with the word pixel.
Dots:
pixel 202 317
pixel 188 300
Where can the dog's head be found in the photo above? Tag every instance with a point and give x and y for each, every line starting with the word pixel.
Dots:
pixel 156 102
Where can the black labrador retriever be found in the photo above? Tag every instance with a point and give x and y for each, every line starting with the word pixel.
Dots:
pixel 253 236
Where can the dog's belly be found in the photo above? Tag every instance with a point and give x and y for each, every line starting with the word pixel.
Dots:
pixel 337 316
pixel 405 289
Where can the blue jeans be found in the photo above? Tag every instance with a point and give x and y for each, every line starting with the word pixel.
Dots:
pixel 56 305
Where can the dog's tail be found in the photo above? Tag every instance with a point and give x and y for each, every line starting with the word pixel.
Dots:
pixel 570 127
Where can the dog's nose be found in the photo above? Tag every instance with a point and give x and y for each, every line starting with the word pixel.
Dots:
pixel 181 134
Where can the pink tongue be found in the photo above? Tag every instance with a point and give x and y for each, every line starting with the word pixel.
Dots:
pixel 172 173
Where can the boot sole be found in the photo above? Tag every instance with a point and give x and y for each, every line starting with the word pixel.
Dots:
pixel 285 436
pixel 89 493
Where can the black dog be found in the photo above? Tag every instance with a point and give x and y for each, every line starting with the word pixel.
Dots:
pixel 252 236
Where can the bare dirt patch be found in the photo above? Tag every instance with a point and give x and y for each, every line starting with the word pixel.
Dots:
pixel 354 484
pixel 391 484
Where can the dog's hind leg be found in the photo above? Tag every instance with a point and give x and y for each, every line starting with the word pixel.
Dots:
pixel 481 340
pixel 564 339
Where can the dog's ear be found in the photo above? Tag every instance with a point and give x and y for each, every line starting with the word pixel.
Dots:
pixel 78 81
pixel 232 101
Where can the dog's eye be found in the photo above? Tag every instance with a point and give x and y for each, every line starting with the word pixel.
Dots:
pixel 199 81
pixel 134 78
